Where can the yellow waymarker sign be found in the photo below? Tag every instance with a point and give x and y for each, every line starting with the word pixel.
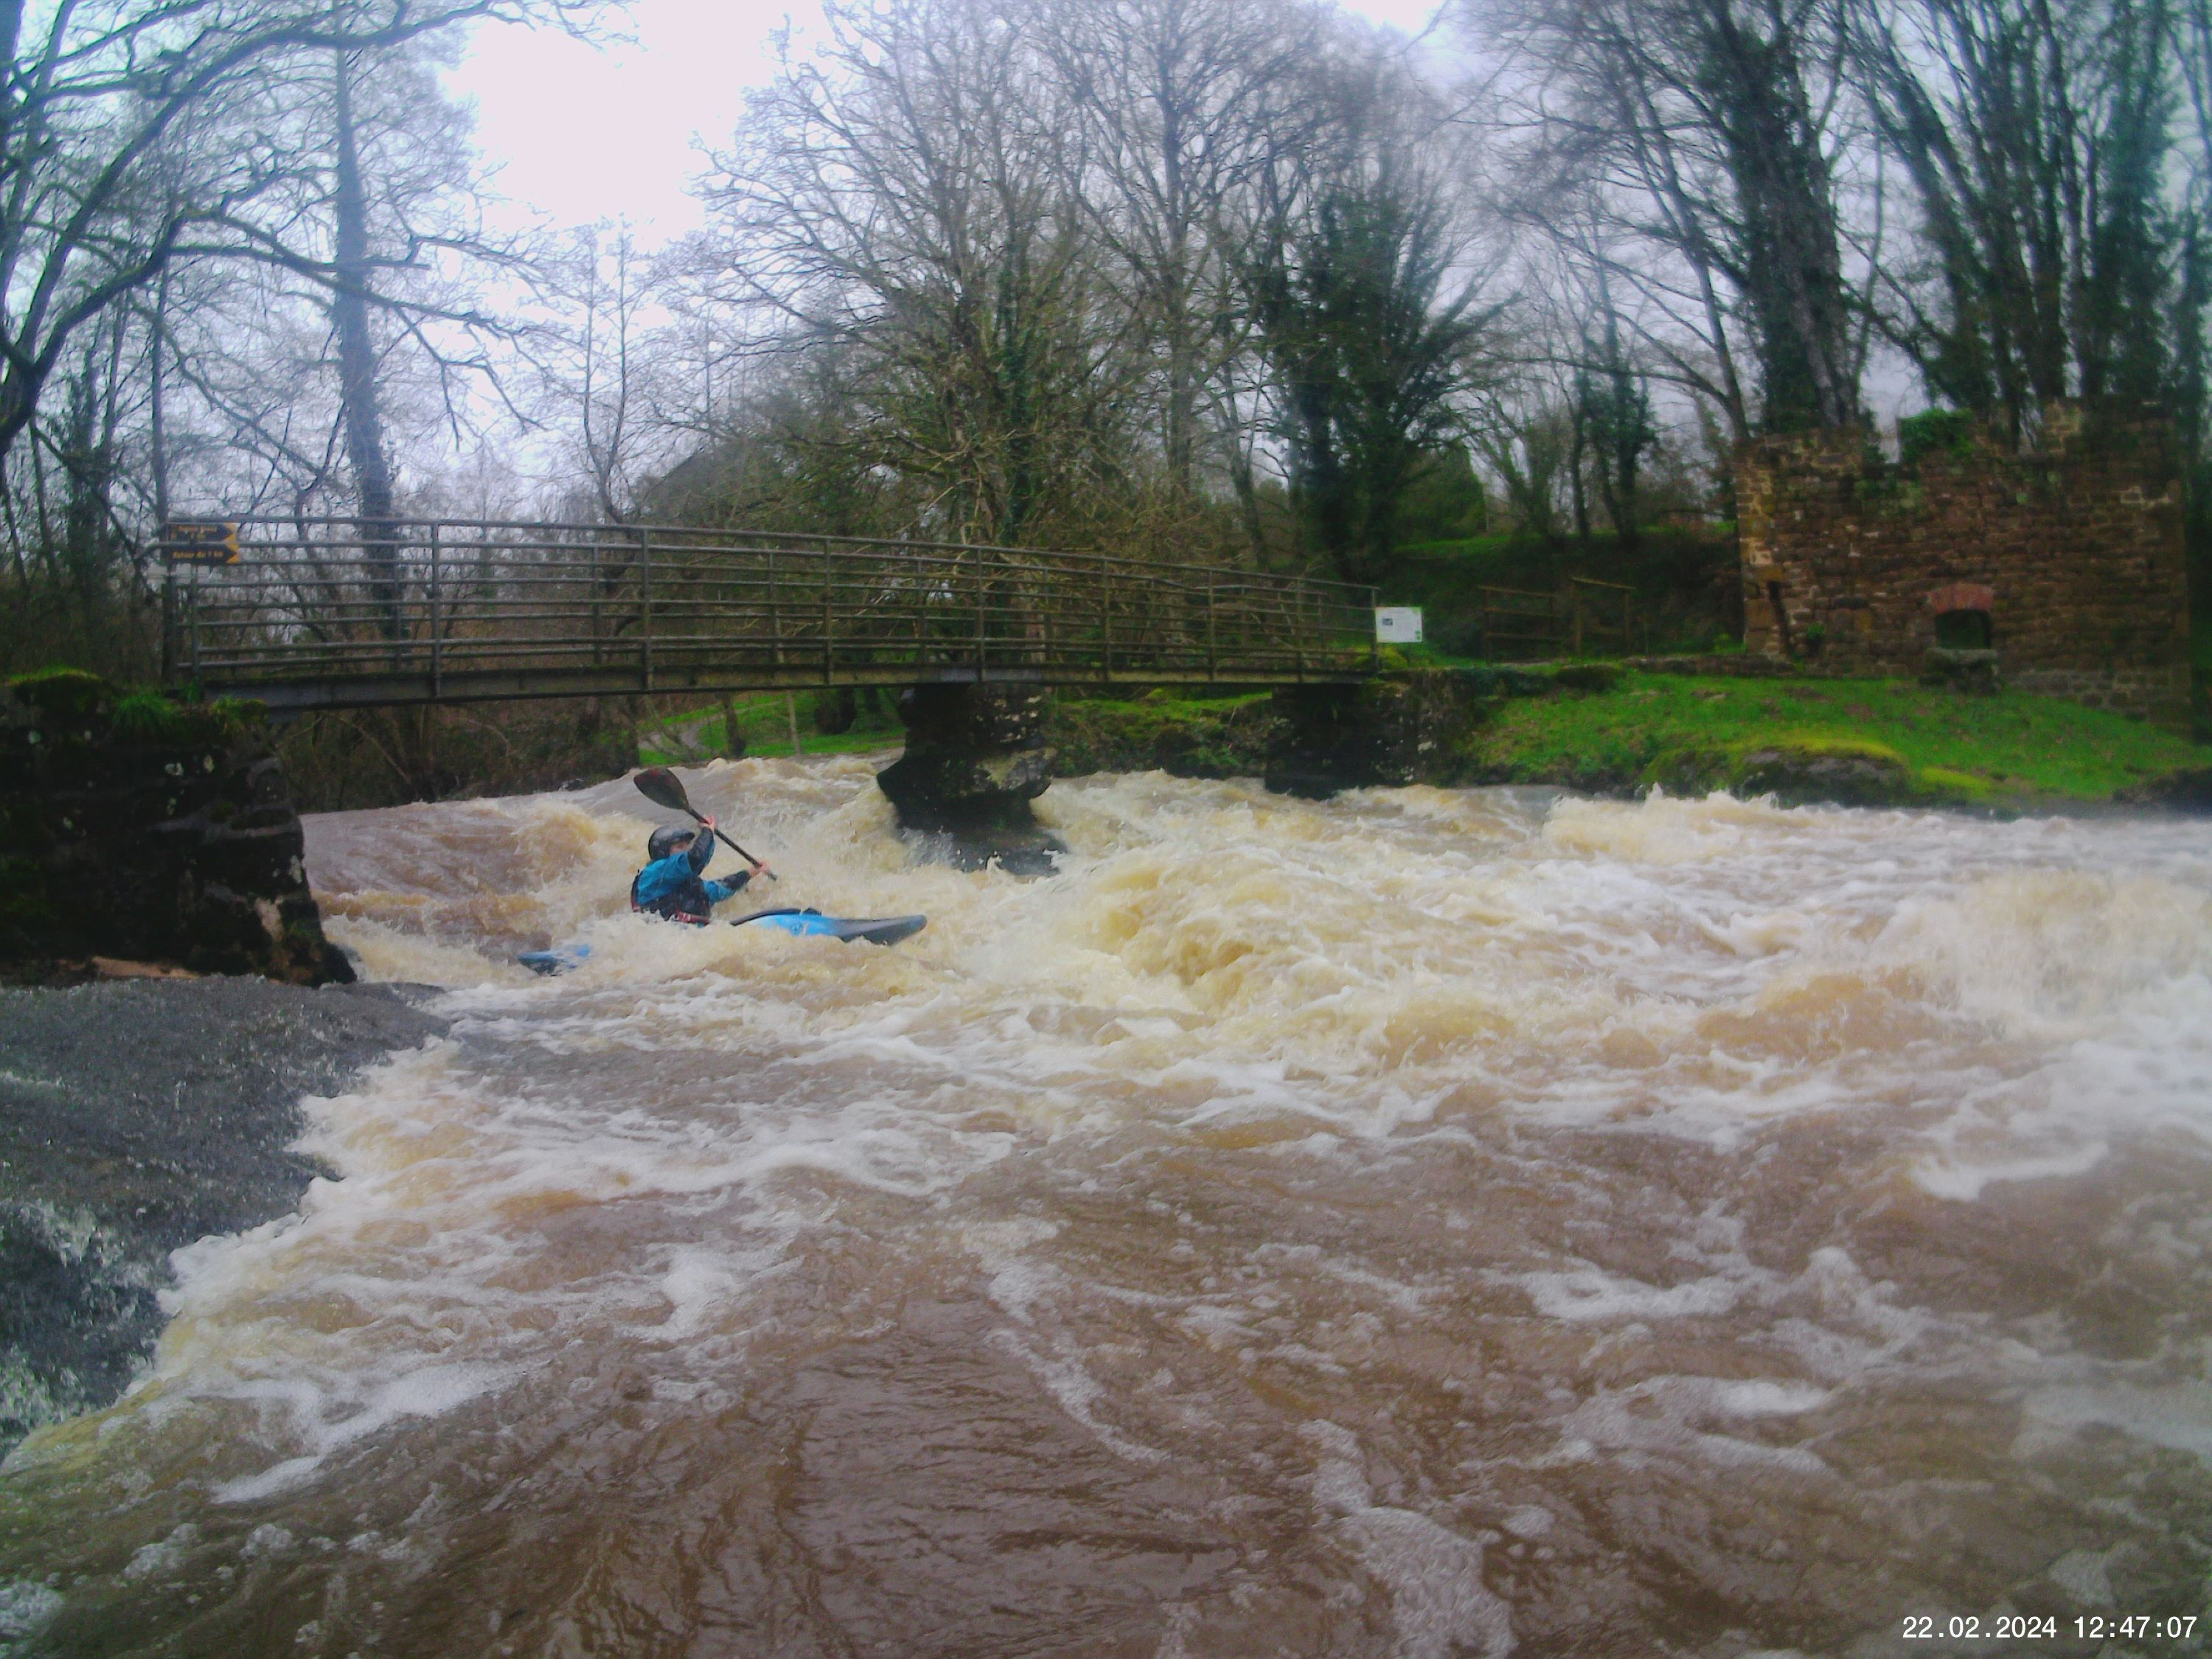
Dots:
pixel 201 541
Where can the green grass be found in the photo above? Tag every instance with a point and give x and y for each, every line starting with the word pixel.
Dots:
pixel 142 715
pixel 1688 734
pixel 2008 748
pixel 1206 737
pixel 766 725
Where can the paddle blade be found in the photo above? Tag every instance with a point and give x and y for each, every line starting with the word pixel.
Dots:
pixel 664 789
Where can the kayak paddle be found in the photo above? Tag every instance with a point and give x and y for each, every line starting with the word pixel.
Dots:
pixel 664 789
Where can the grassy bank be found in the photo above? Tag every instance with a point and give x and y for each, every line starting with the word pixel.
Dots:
pixel 1688 733
pixel 1192 736
pixel 1872 741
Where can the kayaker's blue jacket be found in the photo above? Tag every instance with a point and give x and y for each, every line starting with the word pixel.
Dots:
pixel 672 887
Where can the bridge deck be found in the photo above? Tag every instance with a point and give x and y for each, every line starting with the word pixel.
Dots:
pixel 323 614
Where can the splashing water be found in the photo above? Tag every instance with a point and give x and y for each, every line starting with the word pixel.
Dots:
pixel 1432 1223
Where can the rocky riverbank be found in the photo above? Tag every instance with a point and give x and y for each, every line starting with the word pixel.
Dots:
pixel 138 1116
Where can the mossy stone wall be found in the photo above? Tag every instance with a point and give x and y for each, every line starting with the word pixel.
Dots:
pixel 1848 560
pixel 132 828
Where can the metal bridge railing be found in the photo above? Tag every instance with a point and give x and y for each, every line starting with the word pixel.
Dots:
pixel 334 613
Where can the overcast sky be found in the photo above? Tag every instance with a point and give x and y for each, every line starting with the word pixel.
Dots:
pixel 582 133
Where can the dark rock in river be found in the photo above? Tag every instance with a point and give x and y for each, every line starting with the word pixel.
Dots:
pixel 132 827
pixel 2189 792
pixel 137 1117
pixel 975 758
pixel 1393 730
pixel 1798 775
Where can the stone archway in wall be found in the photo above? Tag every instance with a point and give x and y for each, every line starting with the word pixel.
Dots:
pixel 1965 616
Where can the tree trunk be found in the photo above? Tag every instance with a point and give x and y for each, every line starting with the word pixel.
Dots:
pixel 360 414
pixel 158 460
pixel 1247 499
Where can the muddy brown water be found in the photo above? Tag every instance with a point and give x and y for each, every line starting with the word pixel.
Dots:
pixel 1430 1223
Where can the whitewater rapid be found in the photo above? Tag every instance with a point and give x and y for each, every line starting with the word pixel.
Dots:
pixel 1427 1223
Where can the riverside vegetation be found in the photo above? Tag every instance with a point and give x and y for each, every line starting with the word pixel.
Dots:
pixel 1865 741
pixel 1691 733
pixel 1591 727
pixel 1595 727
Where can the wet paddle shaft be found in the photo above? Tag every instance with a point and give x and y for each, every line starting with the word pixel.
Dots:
pixel 664 789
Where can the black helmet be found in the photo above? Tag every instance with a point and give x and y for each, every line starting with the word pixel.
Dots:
pixel 667 840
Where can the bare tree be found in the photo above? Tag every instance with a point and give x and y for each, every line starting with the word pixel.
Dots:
pixel 1523 430
pixel 1181 102
pixel 103 177
pixel 603 353
pixel 903 199
pixel 2040 147
pixel 1709 129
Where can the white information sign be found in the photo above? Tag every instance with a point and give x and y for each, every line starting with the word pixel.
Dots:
pixel 1398 624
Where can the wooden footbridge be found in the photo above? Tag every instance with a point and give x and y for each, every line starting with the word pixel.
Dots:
pixel 305 614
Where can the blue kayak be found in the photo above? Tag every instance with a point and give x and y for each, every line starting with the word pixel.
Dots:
pixel 806 924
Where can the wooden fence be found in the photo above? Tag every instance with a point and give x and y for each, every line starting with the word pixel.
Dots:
pixel 1586 618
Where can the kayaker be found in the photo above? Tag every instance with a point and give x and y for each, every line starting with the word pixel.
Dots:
pixel 672 885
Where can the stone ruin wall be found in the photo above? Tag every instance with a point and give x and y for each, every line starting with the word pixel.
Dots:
pixel 2074 552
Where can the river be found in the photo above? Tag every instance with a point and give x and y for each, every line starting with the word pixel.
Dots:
pixel 1429 1223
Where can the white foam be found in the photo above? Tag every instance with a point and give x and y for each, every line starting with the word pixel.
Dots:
pixel 1586 1293
pixel 1437 1597
pixel 1668 1419
pixel 2177 1416
pixel 429 1391
pixel 1335 995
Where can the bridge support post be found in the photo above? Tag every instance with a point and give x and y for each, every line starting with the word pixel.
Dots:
pixel 1385 733
pixel 975 760
pixel 175 844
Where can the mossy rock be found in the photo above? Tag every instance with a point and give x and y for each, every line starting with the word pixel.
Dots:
pixel 1842 771
pixel 2189 792
pixel 1689 771
pixel 62 693
pixel 28 910
pixel 144 717
pixel 148 717
pixel 1159 731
